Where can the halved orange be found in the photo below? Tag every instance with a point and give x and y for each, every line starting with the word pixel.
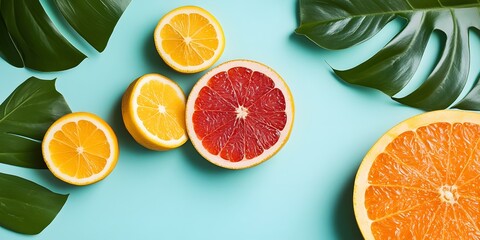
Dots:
pixel 80 148
pixel 239 114
pixel 189 39
pixel 421 180
pixel 153 110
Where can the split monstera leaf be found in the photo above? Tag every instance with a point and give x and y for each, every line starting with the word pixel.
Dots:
pixel 339 24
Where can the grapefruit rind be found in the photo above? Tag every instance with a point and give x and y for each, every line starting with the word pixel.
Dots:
pixel 267 154
pixel 361 179
pixel 134 124
pixel 101 125
pixel 168 59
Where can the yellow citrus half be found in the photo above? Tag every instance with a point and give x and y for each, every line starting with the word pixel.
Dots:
pixel 189 39
pixel 153 110
pixel 239 114
pixel 421 180
pixel 80 148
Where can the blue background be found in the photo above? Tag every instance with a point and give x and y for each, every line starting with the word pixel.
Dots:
pixel 304 192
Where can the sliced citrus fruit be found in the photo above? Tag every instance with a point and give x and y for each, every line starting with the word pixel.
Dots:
pixel 189 39
pixel 239 114
pixel 420 180
pixel 80 148
pixel 153 110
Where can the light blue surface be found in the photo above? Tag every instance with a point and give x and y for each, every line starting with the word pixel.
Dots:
pixel 304 192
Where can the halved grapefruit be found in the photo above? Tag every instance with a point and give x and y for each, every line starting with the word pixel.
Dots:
pixel 421 180
pixel 239 114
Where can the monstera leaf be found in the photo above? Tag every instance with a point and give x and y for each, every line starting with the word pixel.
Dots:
pixel 27 207
pixel 25 116
pixel 339 24
pixel 28 38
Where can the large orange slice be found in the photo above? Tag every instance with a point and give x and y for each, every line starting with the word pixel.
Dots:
pixel 421 180
pixel 239 114
pixel 189 39
pixel 80 148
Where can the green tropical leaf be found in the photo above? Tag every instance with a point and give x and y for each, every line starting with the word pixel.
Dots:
pixel 472 100
pixel 103 15
pixel 8 50
pixel 38 43
pixel 338 24
pixel 25 116
pixel 27 207
pixel 29 38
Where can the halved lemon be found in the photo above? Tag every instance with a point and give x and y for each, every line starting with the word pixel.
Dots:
pixel 153 111
pixel 189 39
pixel 80 148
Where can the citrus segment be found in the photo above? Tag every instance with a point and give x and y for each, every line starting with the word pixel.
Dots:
pixel 189 39
pixel 80 148
pixel 239 114
pixel 421 180
pixel 153 110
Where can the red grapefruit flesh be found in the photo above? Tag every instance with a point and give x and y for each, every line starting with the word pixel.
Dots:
pixel 239 114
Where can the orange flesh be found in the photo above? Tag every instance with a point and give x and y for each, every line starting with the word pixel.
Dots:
pixel 196 40
pixel 425 185
pixel 79 149
pixel 161 110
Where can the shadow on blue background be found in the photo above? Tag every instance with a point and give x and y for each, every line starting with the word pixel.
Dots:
pixel 197 161
pixel 344 219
